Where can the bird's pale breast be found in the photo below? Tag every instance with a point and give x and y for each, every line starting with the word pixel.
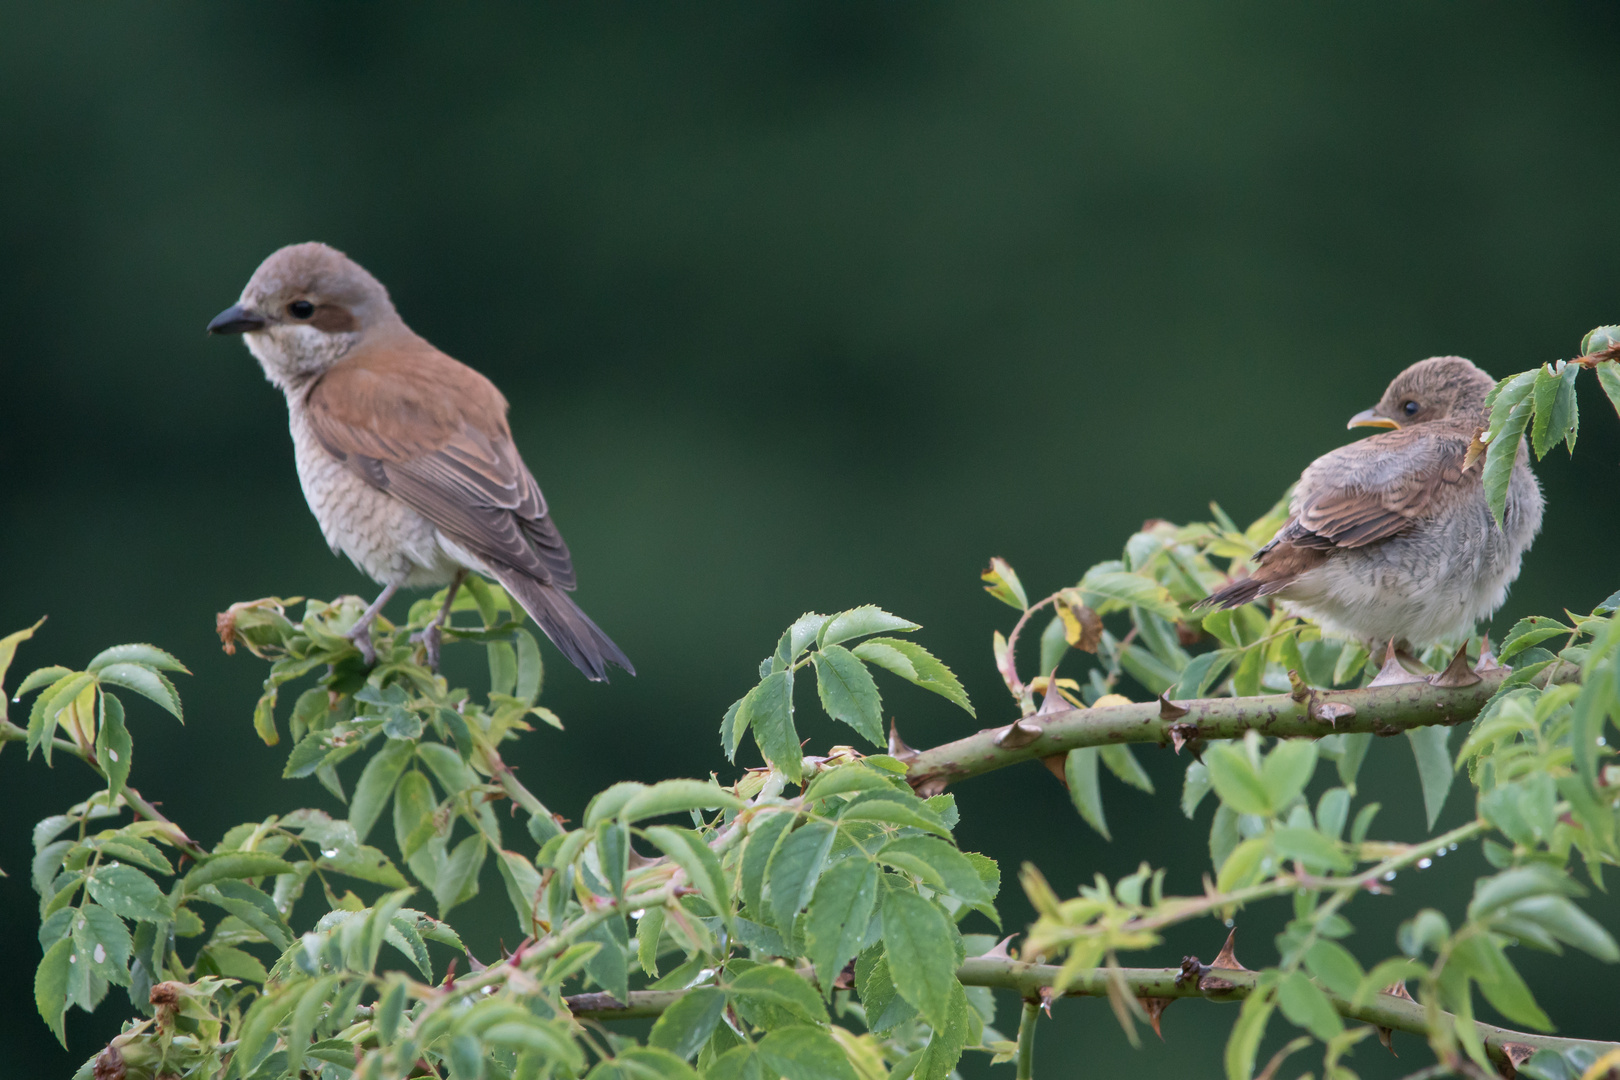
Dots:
pixel 385 538
pixel 1431 582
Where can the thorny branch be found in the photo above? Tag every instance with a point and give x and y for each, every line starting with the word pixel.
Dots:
pixel 1191 980
pixel 1381 710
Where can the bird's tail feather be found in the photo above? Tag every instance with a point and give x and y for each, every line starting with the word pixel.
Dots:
pixel 569 628
pixel 1242 591
pixel 1281 564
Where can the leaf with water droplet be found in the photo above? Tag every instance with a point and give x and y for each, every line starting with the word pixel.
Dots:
pixel 113 744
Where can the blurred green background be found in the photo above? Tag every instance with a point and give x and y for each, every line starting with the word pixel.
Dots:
pixel 799 305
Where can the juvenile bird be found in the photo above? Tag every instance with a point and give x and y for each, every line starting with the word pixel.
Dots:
pixel 404 454
pixel 1390 538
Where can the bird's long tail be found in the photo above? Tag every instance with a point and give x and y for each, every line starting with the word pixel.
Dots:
pixel 569 628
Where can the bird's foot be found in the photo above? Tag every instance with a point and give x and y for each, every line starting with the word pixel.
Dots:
pixel 360 633
pixel 431 638
pixel 360 638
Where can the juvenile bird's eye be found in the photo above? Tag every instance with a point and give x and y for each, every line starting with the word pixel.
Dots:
pixel 1410 408
pixel 300 309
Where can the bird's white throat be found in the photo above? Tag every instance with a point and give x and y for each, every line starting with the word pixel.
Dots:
pixel 291 354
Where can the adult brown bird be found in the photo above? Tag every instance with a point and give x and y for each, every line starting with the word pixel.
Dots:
pixel 404 454
pixel 1390 538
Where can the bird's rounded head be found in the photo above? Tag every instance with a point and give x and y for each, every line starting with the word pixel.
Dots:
pixel 1439 388
pixel 304 309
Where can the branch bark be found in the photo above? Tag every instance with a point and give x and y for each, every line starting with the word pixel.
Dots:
pixel 1191 980
pixel 1381 710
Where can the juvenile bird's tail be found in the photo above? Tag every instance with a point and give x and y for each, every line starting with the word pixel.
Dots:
pixel 1240 592
pixel 1281 564
pixel 569 628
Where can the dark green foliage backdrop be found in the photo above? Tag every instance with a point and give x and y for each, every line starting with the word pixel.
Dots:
pixel 798 306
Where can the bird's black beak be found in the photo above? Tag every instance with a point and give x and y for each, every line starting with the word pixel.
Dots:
pixel 236 320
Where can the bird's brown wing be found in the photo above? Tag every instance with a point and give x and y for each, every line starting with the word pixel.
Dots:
pixel 1357 495
pixel 432 432
pixel 1373 489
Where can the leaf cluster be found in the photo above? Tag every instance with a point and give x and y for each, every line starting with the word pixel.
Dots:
pixel 844 683
pixel 764 911
pixel 807 921
pixel 1538 758
pixel 1542 404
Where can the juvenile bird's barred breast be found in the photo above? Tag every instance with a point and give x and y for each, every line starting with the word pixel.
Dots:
pixel 386 539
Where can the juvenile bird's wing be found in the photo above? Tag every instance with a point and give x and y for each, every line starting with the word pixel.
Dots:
pixel 432 432
pixel 1357 495
pixel 1370 490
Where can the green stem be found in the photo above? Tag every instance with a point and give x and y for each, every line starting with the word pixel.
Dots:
pixel 554 943
pixel 1026 1039
pixel 1381 710
pixel 1399 861
pixel 151 813
pixel 1405 859
pixel 1180 910
pixel 546 948
pixel 1433 1072
pixel 10 732
pixel 514 788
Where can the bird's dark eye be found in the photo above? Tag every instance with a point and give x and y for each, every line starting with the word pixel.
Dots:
pixel 1410 408
pixel 300 309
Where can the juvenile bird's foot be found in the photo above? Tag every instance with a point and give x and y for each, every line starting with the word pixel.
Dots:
pixel 360 637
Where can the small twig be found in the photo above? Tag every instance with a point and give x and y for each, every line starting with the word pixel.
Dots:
pixel 1112 678
pixel 1434 1071
pixel 10 732
pixel 1016 685
pixel 151 813
pixel 1026 1039
pixel 603 1006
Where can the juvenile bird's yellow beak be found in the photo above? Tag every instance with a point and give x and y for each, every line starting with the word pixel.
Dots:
pixel 1371 418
